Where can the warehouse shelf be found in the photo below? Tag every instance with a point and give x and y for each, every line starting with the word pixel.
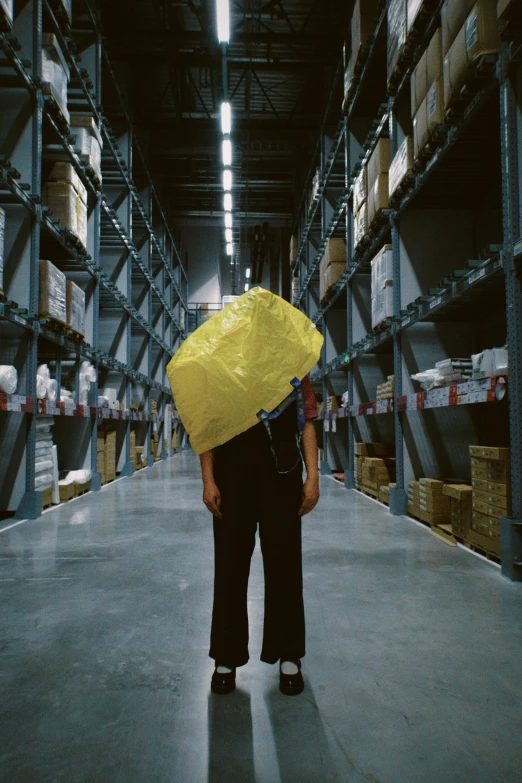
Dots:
pixel 446 210
pixel 130 269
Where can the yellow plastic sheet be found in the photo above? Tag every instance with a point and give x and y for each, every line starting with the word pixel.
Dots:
pixel 239 362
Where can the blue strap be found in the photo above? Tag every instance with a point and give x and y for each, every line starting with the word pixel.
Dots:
pixel 296 396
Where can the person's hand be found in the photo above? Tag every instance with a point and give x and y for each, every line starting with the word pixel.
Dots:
pixel 310 496
pixel 212 499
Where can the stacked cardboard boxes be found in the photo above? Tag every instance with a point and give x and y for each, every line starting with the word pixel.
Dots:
pixel 397 31
pixel 55 73
pixel 360 206
pixel 332 266
pixel 53 293
pixel 384 493
pixel 294 246
pixel 378 180
pixel 382 286
pixel 376 473
pixel 386 391
pixel 362 26
pixel 106 454
pixel 427 97
pixel 491 481
pixel 333 403
pixel 401 165
pixel 365 450
pixel 66 196
pixel 469 31
pixel 460 496
pixel 88 141
pixel 75 305
pixel 427 502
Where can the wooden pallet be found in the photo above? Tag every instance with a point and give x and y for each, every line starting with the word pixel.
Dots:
pixel 372 493
pixel 82 489
pixel 481 551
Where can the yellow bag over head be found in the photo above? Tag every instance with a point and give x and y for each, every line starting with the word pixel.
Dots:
pixel 238 363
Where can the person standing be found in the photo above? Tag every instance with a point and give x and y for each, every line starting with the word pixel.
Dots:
pixel 256 480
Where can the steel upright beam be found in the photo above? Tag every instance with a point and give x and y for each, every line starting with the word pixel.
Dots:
pixel 511 131
pixel 349 476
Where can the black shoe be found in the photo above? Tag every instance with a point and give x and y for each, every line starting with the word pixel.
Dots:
pixel 223 683
pixel 291 684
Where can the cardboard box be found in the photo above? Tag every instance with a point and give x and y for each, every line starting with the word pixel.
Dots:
pixel 379 162
pixel 429 117
pixel 499 501
pixel 378 197
pixel 69 205
pixel 360 190
pixel 401 165
pixel 458 491
pixel 53 293
pixel 499 489
pixel 433 484
pixel 88 141
pixel 294 247
pixel 361 225
pixel 488 453
pixel 478 36
pixel 428 69
pixel 490 545
pixel 75 302
pixel 55 73
pixel 440 505
pixel 397 24
pixel 364 19
pixel 336 251
pixel 453 16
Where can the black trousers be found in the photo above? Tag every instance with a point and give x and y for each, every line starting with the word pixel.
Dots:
pixel 255 495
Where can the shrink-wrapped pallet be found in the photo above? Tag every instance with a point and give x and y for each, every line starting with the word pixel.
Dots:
pixel 88 141
pixel 67 199
pixel 382 286
pixel 75 308
pixel 55 73
pixel 52 299
pixel 397 17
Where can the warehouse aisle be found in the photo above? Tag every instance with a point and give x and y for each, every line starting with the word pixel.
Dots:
pixel 414 650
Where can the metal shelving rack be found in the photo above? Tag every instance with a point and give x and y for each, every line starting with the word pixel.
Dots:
pixel 131 270
pixel 450 291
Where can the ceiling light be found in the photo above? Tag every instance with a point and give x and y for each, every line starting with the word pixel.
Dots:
pixel 228 219
pixel 227 180
pixel 228 235
pixel 248 274
pixel 228 202
pixel 227 152
pixel 223 20
pixel 230 249
pixel 246 287
pixel 226 118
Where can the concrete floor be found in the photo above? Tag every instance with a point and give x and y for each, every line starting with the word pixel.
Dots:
pixel 413 672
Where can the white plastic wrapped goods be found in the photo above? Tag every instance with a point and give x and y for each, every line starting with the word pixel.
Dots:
pixel 52 390
pixel 500 361
pixel 88 141
pixel 43 481
pixel 42 465
pixel 55 484
pixel 88 372
pixel 382 286
pixel 8 378
pixel 2 235
pixel 397 21
pixel 41 387
pixel 482 364
pixel 55 72
pixel 75 308
pixel 52 302
pixel 76 477
pixel 44 371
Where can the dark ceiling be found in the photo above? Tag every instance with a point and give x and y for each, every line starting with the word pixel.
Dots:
pixel 282 61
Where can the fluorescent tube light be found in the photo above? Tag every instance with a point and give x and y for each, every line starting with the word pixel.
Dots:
pixel 227 152
pixel 228 219
pixel 227 180
pixel 228 235
pixel 223 20
pixel 230 249
pixel 228 202
pixel 226 118
pixel 246 287
pixel 248 274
